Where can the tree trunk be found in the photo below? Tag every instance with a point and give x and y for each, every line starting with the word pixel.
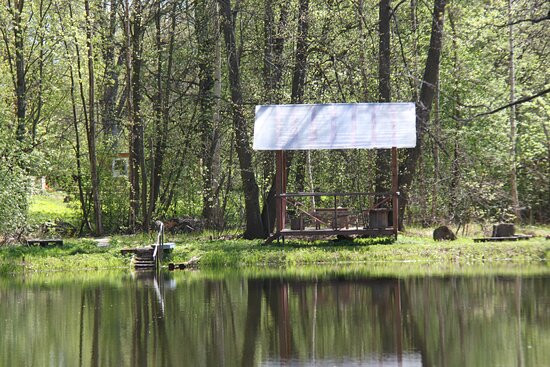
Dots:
pixel 274 44
pixel 110 125
pixel 254 227
pixel 139 141
pixel 157 107
pixel 133 167
pixel 435 151
pixel 455 166
pixel 513 138
pixel 362 47
pixel 78 155
pixel 299 80
pixel 162 129
pixel 91 126
pixel 424 104
pixel 206 38
pixel 300 58
pixel 20 81
pixel 37 115
pixel 384 91
pixel 217 138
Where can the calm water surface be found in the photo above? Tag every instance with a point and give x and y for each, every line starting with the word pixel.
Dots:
pixel 230 319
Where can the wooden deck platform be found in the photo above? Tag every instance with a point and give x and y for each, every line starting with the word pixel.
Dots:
pixel 497 239
pixel 367 232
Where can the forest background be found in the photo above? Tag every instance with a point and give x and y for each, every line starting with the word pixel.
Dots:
pixel 170 87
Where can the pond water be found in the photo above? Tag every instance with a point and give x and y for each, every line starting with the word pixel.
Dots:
pixel 228 318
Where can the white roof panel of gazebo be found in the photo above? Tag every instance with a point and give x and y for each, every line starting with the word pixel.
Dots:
pixel 335 126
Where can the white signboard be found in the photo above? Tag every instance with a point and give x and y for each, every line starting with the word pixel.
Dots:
pixel 335 126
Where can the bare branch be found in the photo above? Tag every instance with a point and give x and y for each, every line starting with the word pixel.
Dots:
pixel 516 102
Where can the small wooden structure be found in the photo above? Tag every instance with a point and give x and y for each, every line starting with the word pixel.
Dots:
pixel 150 257
pixel 45 242
pixel 335 126
pixel 504 232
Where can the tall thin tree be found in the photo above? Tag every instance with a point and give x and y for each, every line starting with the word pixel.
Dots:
pixel 513 138
pixel 91 128
pixel 254 227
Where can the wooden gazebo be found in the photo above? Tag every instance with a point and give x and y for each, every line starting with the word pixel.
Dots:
pixel 336 126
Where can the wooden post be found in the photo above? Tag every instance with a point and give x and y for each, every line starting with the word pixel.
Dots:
pixel 395 190
pixel 284 183
pixel 280 188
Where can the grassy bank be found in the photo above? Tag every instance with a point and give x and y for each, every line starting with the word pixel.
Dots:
pixel 411 248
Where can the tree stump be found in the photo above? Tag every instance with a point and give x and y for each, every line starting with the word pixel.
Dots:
pixel 503 230
pixel 443 233
pixel 378 218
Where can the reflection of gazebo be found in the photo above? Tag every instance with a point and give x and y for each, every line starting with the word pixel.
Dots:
pixel 336 126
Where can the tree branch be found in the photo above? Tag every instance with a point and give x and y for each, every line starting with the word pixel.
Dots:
pixel 516 102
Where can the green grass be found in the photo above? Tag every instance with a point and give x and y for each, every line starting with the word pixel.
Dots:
pixel 75 254
pixel 78 254
pixel 406 249
pixel 50 207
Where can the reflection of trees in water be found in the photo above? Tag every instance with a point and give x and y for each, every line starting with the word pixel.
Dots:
pixel 310 319
pixel 233 321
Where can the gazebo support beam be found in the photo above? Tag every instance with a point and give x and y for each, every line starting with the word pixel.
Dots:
pixel 395 190
pixel 280 188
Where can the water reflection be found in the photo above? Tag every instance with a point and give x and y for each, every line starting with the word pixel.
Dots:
pixel 180 319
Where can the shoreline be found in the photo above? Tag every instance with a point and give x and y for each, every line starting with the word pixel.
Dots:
pixel 84 254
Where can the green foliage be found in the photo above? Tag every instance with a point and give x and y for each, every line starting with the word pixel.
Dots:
pixel 50 207
pixel 14 190
pixel 414 251
pixel 463 173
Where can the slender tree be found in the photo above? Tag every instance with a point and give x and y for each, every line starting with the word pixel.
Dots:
pixel 254 227
pixel 513 138
pixel 384 91
pixel 109 120
pixel 274 41
pixel 205 29
pixel 133 166
pixel 424 104
pixel 91 128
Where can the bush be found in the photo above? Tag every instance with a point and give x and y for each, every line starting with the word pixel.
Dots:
pixel 14 188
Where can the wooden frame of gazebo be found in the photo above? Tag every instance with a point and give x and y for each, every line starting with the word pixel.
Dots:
pixel 274 132
pixel 282 197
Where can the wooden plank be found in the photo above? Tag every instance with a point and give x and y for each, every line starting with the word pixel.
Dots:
pixel 45 242
pixel 395 189
pixel 498 239
pixel 329 232
pixel 137 250
pixel 307 194
pixel 279 189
